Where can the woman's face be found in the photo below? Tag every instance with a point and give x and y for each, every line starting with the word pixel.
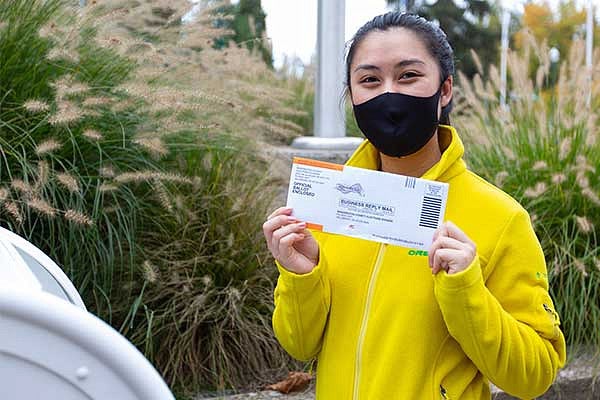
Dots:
pixel 396 61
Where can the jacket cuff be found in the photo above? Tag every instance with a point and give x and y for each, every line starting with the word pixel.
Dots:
pixel 460 280
pixel 302 282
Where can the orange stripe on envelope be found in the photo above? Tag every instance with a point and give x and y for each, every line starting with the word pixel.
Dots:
pixel 317 163
pixel 314 227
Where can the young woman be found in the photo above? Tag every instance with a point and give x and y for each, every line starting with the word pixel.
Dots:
pixel 387 322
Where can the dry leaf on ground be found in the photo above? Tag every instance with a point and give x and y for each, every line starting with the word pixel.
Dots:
pixel 295 382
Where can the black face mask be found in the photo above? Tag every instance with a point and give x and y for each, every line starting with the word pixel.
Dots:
pixel 398 124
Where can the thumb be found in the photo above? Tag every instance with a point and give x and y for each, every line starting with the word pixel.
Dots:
pixel 443 230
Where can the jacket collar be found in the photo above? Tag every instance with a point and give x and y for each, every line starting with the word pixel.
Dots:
pixel 449 165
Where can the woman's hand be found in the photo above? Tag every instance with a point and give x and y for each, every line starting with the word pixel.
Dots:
pixel 451 250
pixel 290 242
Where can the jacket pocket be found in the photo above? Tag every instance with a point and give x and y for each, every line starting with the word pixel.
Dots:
pixel 455 377
pixel 547 322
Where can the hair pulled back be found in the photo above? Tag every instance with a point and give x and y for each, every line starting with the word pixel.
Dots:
pixel 431 35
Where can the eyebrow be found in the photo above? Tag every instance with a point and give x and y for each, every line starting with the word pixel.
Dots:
pixel 403 63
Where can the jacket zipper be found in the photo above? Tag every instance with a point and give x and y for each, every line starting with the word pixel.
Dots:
pixel 363 326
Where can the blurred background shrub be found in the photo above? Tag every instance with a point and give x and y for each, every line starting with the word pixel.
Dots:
pixel 543 148
pixel 135 153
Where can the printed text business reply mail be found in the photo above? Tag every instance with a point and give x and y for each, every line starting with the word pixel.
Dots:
pixel 362 203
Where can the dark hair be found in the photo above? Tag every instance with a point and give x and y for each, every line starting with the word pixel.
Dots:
pixel 433 37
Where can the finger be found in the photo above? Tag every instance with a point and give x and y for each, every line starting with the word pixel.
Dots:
pixel 455 233
pixel 436 267
pixel 286 244
pixel 439 261
pixel 442 259
pixel 281 210
pixel 436 234
pixel 443 266
pixel 444 230
pixel 275 223
pixel 446 242
pixel 443 242
pixel 286 230
pixel 432 249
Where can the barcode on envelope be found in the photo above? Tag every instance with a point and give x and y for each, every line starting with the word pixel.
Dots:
pixel 430 212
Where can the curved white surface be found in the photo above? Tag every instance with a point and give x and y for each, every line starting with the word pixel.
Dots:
pixel 8 239
pixel 13 270
pixel 53 350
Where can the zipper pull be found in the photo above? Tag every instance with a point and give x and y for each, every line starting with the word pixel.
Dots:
pixel 550 311
pixel 444 393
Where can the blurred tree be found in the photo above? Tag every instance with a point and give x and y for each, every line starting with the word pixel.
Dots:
pixel 249 27
pixel 404 5
pixel 475 24
pixel 557 28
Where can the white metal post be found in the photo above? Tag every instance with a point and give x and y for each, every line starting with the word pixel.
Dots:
pixel 329 115
pixel 329 112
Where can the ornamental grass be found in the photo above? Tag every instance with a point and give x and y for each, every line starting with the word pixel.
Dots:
pixel 134 154
pixel 543 148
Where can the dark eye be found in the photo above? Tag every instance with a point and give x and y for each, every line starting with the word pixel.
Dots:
pixel 368 79
pixel 409 75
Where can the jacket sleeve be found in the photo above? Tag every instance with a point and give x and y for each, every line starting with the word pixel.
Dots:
pixel 506 325
pixel 301 310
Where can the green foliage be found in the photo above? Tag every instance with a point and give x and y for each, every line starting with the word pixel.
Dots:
pixel 129 164
pixel 557 28
pixel 544 149
pixel 207 277
pixel 554 28
pixel 474 25
pixel 42 152
pixel 303 89
pixel 249 28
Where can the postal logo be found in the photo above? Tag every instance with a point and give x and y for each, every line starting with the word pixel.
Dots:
pixel 356 188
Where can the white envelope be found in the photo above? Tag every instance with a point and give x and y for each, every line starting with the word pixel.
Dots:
pixel 372 205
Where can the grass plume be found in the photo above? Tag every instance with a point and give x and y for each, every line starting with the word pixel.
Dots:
pixel 102 106
pixel 547 137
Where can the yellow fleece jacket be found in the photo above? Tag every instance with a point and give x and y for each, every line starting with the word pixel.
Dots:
pixel 383 327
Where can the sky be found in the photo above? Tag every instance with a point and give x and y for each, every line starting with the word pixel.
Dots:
pixel 292 24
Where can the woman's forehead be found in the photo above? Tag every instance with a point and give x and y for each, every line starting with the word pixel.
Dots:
pixel 393 45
